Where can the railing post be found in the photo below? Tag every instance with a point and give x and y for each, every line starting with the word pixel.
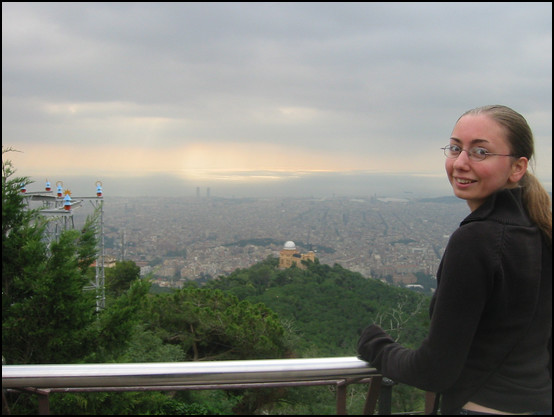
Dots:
pixel 43 401
pixel 430 398
pixel 5 407
pixel 341 399
pixel 372 395
pixel 385 399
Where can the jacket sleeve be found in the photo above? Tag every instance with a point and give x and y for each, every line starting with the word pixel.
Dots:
pixel 371 343
pixel 550 354
pixel 466 274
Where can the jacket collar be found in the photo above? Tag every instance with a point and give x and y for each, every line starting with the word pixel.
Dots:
pixel 504 206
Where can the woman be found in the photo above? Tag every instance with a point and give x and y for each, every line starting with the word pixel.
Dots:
pixel 488 350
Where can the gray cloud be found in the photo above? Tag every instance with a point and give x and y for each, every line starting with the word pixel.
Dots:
pixel 370 77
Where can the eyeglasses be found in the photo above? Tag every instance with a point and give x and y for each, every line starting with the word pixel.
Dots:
pixel 475 154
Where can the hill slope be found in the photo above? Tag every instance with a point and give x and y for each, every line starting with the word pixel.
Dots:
pixel 327 307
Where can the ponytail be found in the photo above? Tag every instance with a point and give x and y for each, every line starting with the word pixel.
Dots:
pixel 538 204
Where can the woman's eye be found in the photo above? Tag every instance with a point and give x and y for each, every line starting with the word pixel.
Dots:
pixel 479 151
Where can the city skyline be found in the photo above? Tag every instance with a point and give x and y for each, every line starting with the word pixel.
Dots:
pixel 193 237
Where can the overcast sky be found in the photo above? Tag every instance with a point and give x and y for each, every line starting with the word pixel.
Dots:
pixel 261 94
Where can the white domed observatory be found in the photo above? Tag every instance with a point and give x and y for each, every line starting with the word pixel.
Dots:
pixel 289 245
pixel 289 256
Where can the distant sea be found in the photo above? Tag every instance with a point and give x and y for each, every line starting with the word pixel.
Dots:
pixel 319 185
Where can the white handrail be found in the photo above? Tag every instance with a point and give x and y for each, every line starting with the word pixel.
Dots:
pixel 183 373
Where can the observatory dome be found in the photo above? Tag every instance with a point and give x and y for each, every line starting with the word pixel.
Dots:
pixel 289 245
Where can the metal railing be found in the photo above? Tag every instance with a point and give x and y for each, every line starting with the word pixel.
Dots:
pixel 174 376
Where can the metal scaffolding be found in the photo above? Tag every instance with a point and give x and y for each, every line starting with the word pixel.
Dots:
pixel 59 208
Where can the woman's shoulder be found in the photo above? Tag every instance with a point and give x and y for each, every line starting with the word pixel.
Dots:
pixel 476 232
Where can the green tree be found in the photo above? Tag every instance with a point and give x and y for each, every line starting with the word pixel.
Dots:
pixel 46 314
pixel 120 277
pixel 22 233
pixel 117 324
pixel 212 325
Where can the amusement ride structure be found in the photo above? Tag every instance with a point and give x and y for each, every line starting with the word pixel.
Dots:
pixel 59 208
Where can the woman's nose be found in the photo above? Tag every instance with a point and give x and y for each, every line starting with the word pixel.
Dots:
pixel 462 160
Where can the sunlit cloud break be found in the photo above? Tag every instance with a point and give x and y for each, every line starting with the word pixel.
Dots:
pixel 208 161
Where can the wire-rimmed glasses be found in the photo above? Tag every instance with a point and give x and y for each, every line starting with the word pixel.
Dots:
pixel 476 153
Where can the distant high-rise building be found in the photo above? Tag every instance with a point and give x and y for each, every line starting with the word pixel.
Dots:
pixel 197 192
pixel 208 192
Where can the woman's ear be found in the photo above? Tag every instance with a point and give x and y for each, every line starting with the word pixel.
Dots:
pixel 519 168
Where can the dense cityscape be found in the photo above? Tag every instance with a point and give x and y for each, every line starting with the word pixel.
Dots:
pixel 198 238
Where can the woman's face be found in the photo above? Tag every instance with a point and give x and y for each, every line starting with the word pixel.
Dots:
pixel 473 180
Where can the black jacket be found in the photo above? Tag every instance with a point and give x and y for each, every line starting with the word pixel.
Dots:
pixel 491 317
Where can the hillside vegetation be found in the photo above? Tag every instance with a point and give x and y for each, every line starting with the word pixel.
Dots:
pixel 328 307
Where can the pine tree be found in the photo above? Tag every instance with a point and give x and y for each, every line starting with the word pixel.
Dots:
pixel 47 314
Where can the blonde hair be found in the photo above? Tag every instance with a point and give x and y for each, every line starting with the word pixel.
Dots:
pixel 536 199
